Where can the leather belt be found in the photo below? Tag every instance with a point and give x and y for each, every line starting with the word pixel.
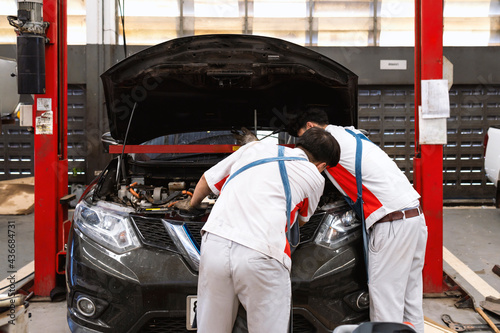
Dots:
pixel 398 215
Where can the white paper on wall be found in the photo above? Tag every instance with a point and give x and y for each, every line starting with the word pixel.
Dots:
pixel 432 131
pixel 435 99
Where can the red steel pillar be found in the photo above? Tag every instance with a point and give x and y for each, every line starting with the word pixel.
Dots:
pixel 51 164
pixel 428 163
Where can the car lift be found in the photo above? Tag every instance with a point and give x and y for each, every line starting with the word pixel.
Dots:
pixel 428 161
pixel 42 70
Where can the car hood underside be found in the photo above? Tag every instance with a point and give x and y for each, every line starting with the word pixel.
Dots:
pixel 221 82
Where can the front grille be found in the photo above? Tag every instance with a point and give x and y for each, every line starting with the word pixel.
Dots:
pixel 165 325
pixel 153 232
pixel 308 230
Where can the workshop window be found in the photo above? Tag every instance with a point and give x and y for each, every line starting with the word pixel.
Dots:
pixel 305 22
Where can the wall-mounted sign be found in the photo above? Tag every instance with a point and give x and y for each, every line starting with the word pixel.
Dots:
pixel 45 123
pixel 44 104
pixel 393 65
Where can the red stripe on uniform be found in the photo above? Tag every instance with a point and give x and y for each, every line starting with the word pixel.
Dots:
pixel 302 208
pixel 287 249
pixel 220 184
pixel 347 181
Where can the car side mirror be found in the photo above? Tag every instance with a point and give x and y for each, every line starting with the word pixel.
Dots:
pixel 107 140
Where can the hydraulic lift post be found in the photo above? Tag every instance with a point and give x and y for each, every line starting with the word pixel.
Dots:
pixel 428 161
pixel 50 151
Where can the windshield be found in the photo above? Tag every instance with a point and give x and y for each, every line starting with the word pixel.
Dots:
pixel 196 138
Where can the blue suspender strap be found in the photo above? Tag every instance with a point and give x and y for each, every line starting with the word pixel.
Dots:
pixel 359 154
pixel 262 161
pixel 358 205
pixel 288 194
pixel 284 178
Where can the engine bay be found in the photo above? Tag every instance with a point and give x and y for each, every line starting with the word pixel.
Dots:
pixel 155 189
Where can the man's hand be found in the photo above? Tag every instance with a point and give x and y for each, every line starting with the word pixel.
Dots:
pixel 246 136
pixel 184 205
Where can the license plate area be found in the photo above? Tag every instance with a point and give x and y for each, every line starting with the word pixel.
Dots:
pixel 191 308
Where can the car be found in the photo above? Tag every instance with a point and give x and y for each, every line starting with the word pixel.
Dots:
pixel 173 110
pixel 492 159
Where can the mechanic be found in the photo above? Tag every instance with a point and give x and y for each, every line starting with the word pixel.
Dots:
pixel 245 254
pixel 395 226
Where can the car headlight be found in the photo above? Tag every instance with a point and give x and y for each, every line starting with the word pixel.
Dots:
pixel 338 229
pixel 107 224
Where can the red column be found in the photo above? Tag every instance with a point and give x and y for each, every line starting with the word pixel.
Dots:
pixel 62 73
pixel 428 169
pixel 417 177
pixel 51 170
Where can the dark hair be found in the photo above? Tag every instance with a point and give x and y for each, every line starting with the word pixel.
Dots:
pixel 320 145
pixel 313 114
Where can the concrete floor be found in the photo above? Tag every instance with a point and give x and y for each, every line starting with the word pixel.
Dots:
pixel 470 238
pixel 471 243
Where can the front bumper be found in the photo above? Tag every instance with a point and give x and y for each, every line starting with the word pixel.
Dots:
pixel 145 290
pixel 130 290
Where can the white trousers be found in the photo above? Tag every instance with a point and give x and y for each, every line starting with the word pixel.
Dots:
pixel 395 260
pixel 231 273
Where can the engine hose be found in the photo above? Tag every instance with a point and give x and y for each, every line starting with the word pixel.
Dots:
pixel 134 193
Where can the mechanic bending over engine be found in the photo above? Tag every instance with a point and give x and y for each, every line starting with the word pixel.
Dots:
pixel 245 255
pixel 395 225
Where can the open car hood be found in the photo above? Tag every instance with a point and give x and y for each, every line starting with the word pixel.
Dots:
pixel 221 82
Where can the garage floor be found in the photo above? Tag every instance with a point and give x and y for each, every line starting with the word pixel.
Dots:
pixel 471 249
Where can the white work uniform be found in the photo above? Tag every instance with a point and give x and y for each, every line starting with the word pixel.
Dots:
pixel 396 249
pixel 245 256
